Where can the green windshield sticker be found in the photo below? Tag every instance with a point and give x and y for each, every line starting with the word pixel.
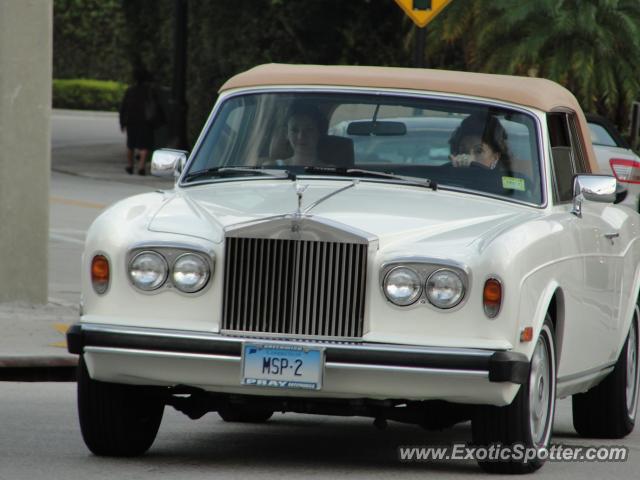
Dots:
pixel 513 183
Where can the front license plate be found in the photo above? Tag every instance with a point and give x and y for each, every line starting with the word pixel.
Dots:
pixel 282 366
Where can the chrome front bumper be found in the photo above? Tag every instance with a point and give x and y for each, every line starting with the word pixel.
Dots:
pixel 352 370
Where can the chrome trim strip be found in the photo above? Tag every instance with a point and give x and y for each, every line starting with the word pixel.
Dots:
pixel 373 91
pixel 158 353
pixel 589 373
pixel 198 248
pixel 328 365
pixel 437 261
pixel 392 368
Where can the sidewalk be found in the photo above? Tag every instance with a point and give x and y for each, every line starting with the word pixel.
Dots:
pixel 101 157
pixel 33 346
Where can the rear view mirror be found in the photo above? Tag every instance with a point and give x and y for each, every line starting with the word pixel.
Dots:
pixel 168 162
pixel 382 128
pixel 593 188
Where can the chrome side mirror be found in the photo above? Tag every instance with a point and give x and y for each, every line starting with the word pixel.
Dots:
pixel 168 162
pixel 594 188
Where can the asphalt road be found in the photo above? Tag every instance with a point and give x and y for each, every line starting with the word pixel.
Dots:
pixel 41 440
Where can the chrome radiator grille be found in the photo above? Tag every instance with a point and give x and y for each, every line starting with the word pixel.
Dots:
pixel 294 287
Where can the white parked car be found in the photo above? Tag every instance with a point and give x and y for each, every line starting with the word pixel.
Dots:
pixel 614 155
pixel 412 245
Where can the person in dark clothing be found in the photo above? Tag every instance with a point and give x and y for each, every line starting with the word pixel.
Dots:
pixel 138 113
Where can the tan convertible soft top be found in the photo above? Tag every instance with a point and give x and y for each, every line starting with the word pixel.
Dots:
pixel 538 93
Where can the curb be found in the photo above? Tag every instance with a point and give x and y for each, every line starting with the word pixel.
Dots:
pixel 38 368
pixel 86 113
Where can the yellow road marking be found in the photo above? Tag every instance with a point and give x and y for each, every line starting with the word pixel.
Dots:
pixel 62 328
pixel 77 203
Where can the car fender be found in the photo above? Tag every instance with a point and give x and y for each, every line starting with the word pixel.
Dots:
pixel 536 320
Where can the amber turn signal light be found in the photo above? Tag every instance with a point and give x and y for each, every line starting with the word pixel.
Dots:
pixel 492 297
pixel 526 335
pixel 100 274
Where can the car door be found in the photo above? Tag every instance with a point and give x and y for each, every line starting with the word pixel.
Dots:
pixel 592 306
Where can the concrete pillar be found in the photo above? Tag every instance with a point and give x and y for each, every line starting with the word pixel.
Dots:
pixel 26 31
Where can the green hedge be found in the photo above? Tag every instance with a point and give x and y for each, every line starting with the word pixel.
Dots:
pixel 84 94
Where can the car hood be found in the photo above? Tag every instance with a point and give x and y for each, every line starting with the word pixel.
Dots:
pixel 391 212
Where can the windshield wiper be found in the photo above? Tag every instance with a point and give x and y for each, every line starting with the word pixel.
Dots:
pixel 356 172
pixel 234 171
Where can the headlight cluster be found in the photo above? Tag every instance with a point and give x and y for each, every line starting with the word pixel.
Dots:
pixel 188 272
pixel 148 271
pixel 443 287
pixel 403 286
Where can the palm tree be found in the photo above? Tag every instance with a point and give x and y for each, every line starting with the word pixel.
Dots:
pixel 590 46
pixel 451 36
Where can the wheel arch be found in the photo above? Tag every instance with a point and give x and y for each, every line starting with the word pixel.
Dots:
pixel 551 301
pixel 556 310
pixel 629 310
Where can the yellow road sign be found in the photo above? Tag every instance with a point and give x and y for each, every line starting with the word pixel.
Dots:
pixel 422 11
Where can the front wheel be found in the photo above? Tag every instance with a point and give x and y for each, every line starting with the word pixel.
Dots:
pixel 116 420
pixel 609 409
pixel 528 421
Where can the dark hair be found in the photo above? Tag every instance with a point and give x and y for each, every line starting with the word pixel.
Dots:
pixel 141 75
pixel 490 131
pixel 310 111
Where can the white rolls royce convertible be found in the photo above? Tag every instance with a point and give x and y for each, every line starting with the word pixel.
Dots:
pixel 410 245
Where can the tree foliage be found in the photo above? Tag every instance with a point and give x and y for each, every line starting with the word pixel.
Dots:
pixel 87 94
pixel 226 38
pixel 88 39
pixel 148 36
pixel 590 46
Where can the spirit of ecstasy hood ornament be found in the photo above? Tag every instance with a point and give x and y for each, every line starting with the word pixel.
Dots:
pixel 299 192
pixel 300 189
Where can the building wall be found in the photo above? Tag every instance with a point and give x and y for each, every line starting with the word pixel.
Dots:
pixel 25 108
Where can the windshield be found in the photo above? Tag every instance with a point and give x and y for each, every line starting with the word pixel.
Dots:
pixel 453 144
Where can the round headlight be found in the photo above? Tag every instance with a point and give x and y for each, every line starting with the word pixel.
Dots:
pixel 402 286
pixel 148 270
pixel 444 288
pixel 190 273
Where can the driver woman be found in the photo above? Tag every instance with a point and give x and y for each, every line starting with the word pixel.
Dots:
pixel 480 141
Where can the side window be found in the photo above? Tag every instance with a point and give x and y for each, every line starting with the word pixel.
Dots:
pixel 563 156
